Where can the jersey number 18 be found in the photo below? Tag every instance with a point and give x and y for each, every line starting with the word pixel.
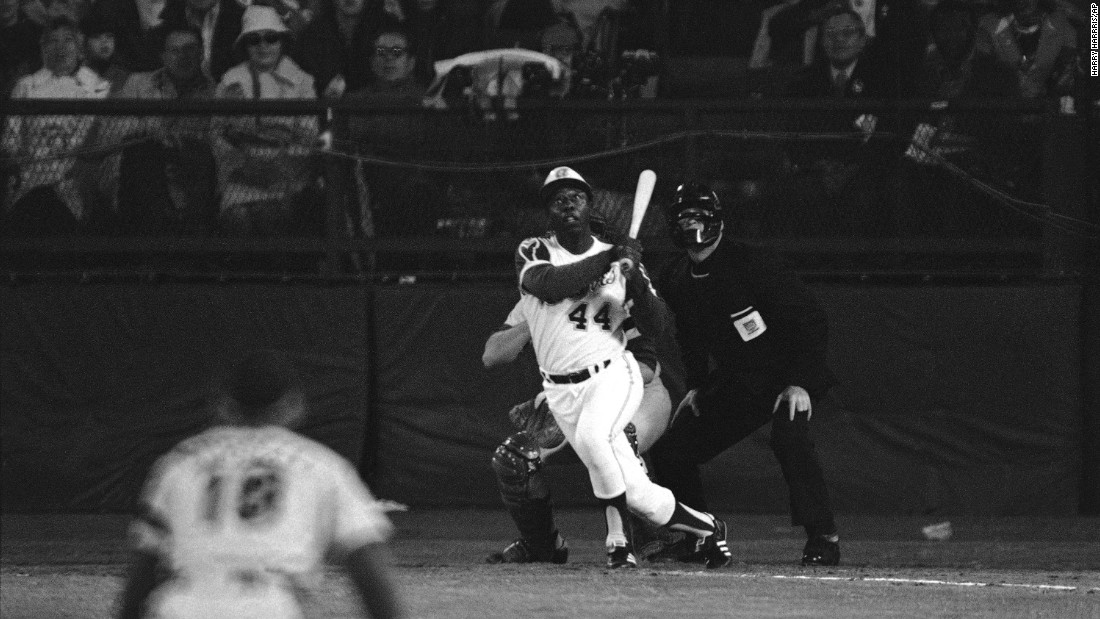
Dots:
pixel 256 499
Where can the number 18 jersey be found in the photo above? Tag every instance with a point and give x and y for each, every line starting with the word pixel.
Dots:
pixel 580 331
pixel 238 505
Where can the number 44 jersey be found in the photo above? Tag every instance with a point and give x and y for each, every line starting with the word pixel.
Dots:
pixel 580 331
pixel 238 514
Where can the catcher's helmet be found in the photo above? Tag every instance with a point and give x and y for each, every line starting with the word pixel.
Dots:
pixel 694 216
pixel 563 176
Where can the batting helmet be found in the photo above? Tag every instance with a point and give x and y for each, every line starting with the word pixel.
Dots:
pixel 563 177
pixel 694 216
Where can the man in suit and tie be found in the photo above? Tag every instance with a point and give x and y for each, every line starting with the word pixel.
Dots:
pixel 894 32
pixel 839 73
pixel 835 185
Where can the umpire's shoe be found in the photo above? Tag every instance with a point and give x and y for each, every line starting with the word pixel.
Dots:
pixel 523 551
pixel 713 547
pixel 620 557
pixel 820 550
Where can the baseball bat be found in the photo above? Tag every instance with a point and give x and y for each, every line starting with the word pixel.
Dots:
pixel 643 193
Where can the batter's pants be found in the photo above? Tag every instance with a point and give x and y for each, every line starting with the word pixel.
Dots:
pixel 592 415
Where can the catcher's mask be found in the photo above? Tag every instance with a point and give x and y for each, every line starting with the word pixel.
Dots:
pixel 694 216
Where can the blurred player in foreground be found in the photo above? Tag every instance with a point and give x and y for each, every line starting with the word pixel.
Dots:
pixel 575 296
pixel 233 520
pixel 518 461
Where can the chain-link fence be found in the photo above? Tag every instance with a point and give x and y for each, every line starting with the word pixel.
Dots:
pixel 364 188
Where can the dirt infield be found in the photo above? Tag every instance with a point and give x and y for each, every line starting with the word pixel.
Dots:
pixel 71 566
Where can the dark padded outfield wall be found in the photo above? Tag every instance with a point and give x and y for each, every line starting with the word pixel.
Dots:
pixel 953 400
pixel 956 400
pixel 959 400
pixel 98 380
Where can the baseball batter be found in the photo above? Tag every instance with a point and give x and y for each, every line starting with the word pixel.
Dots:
pixel 239 515
pixel 519 459
pixel 575 297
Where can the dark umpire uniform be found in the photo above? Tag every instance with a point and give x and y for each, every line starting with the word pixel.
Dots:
pixel 748 329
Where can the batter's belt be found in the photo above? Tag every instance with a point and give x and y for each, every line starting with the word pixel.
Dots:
pixel 575 377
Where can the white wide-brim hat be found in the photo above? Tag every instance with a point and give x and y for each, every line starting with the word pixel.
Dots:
pixel 260 18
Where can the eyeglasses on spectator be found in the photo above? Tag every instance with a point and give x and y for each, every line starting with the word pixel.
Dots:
pixel 390 52
pixel 256 38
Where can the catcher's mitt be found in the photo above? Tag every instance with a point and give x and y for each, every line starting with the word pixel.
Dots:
pixel 534 417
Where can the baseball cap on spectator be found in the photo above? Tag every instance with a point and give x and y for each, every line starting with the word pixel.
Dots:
pixel 260 18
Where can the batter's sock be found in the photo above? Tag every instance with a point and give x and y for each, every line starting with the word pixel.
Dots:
pixel 618 521
pixel 684 518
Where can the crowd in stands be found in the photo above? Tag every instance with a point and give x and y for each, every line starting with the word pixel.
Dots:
pixel 259 175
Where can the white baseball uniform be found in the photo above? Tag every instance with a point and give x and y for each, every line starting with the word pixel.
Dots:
pixel 240 516
pixel 585 334
pixel 651 418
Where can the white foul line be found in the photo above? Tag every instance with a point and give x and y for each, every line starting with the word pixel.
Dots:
pixel 914 581
pixel 926 581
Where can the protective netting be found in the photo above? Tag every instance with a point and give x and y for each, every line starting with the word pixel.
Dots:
pixel 197 175
pixel 786 174
pixel 783 170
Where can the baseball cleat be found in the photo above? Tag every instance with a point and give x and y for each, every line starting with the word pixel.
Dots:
pixel 621 556
pixel 820 550
pixel 523 551
pixel 669 546
pixel 713 547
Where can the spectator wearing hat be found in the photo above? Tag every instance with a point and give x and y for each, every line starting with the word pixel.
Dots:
pixel 101 52
pixel 264 162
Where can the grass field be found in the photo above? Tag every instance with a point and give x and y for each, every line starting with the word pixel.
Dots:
pixel 72 565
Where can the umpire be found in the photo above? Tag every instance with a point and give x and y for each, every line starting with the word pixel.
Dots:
pixel 753 337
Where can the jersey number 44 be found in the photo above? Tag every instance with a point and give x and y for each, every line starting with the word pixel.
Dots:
pixel 579 317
